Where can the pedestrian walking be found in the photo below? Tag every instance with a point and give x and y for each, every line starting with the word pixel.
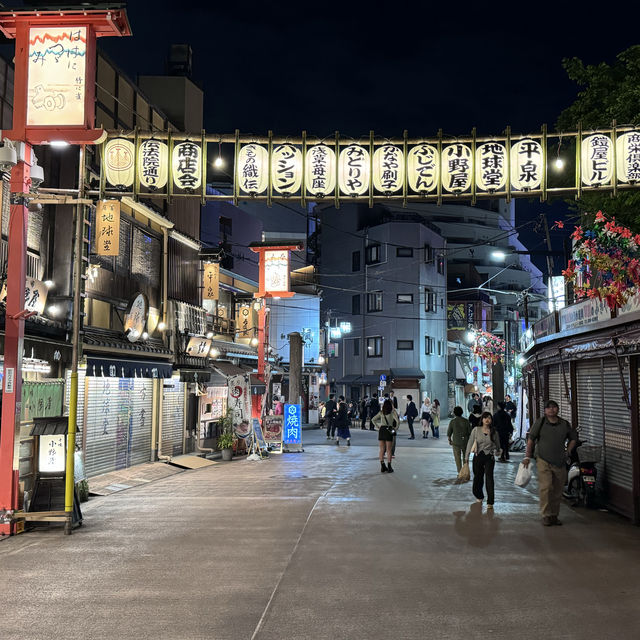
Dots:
pixel 476 416
pixel 458 436
pixel 411 413
pixel 322 412
pixel 394 400
pixel 484 444
pixel 510 407
pixel 473 401
pixel 364 409
pixel 425 416
pixel 386 424
pixel 435 418
pixel 549 435
pixel 487 404
pixel 503 425
pixel 342 422
pixel 330 415
pixel 374 409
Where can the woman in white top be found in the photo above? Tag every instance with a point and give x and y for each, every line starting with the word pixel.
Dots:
pixel 425 416
pixel 485 444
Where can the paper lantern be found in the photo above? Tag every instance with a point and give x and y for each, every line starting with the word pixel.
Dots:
pixel 153 164
pixel 388 169
pixel 526 165
pixel 456 168
pixel 491 166
pixel 354 170
pixel 252 172
pixel 286 169
pixel 597 160
pixel 320 170
pixel 423 168
pixel 628 157
pixel 187 165
pixel 119 155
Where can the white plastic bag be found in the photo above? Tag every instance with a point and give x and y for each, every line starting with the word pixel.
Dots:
pixel 523 476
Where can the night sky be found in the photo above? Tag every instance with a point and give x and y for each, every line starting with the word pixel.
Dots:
pixel 384 66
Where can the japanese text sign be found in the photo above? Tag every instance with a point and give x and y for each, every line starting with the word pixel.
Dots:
pixel 276 271
pixel 198 347
pixel 56 83
pixel 292 433
pixel 211 281
pixel 108 228
pixel 52 454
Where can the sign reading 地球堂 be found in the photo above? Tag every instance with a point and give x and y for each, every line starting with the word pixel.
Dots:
pixel 407 169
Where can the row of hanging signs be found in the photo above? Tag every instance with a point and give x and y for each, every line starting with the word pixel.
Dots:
pixel 356 170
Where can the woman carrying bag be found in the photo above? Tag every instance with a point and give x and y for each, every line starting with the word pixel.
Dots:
pixel 387 425
pixel 485 445
pixel 435 418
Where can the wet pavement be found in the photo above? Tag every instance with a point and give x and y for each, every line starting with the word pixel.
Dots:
pixel 321 545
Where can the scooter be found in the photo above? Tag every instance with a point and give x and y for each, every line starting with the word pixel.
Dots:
pixel 583 473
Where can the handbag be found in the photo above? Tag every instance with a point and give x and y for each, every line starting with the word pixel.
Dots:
pixel 465 474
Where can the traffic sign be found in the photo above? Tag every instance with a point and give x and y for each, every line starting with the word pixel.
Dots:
pixel 383 377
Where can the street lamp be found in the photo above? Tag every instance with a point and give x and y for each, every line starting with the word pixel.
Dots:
pixel 498 254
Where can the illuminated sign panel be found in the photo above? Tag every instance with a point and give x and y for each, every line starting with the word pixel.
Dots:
pixel 286 169
pixel 107 239
pixel 276 271
pixel 56 81
pixel 292 432
pixel 153 164
pixel 252 175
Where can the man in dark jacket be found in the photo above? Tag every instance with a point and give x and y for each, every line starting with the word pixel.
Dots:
pixel 411 412
pixel 503 425
pixel 374 409
pixel 364 409
pixel 330 415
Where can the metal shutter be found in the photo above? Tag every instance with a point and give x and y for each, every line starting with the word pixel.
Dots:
pixel 590 407
pixel 172 418
pixel 617 419
pixel 140 393
pixel 555 386
pixel 565 400
pixel 67 394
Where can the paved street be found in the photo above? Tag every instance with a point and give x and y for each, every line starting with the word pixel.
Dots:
pixel 321 545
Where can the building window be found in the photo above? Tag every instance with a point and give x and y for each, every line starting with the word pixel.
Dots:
pixel 356 347
pixel 439 347
pixel 404 252
pixel 404 298
pixel 428 345
pixel 441 264
pixel 430 301
pixel 355 261
pixel 428 253
pixel 373 254
pixel 374 301
pixel 404 345
pixel 355 304
pixel 374 347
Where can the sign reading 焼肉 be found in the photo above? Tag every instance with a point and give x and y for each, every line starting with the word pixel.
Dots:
pixel 56 83
pixel 292 434
pixel 108 228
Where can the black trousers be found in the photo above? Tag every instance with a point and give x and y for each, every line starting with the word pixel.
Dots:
pixel 504 444
pixel 331 427
pixel 410 423
pixel 483 470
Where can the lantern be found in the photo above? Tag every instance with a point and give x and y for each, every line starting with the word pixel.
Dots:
pixel 526 165
pixel 628 157
pixel 153 164
pixel 320 170
pixel 187 165
pixel 597 160
pixel 119 155
pixel 388 169
pixel 252 171
pixel 491 164
pixel 354 170
pixel 423 168
pixel 286 169
pixel 456 168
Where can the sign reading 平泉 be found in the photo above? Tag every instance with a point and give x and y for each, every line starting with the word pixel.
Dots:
pixel 56 82
pixel 108 228
pixel 211 281
pixel 292 433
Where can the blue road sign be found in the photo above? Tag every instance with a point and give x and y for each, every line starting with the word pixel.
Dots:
pixel 292 430
pixel 383 377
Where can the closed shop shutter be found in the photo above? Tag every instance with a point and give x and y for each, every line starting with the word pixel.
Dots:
pixel 172 418
pixel 565 400
pixel 119 420
pixel 67 396
pixel 590 407
pixel 617 451
pixel 555 385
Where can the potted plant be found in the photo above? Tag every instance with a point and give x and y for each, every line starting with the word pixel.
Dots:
pixel 226 438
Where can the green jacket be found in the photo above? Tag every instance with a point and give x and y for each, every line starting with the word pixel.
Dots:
pixel 458 432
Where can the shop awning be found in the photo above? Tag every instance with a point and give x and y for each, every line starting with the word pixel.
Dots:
pixel 350 379
pixel 406 374
pixel 370 379
pixel 50 426
pixel 230 369
pixel 122 368
pixel 195 375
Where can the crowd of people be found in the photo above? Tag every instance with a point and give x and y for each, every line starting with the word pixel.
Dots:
pixel 485 433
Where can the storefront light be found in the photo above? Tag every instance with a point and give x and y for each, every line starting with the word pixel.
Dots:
pixel 254 342
pixel 53 310
pixel 161 326
pixel 320 359
pixel 209 335
pixel 470 336
pixel 49 284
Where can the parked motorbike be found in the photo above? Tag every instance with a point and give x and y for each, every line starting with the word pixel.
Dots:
pixel 583 473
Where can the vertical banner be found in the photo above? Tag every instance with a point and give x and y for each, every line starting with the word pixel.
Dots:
pixel 239 400
pixel 245 324
pixel 292 433
pixel 211 281
pixel 108 228
pixel 276 271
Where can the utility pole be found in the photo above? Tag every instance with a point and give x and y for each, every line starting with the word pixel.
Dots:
pixel 549 260
pixel 295 367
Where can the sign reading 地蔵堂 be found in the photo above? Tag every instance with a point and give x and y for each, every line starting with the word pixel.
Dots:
pixel 292 430
pixel 56 84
